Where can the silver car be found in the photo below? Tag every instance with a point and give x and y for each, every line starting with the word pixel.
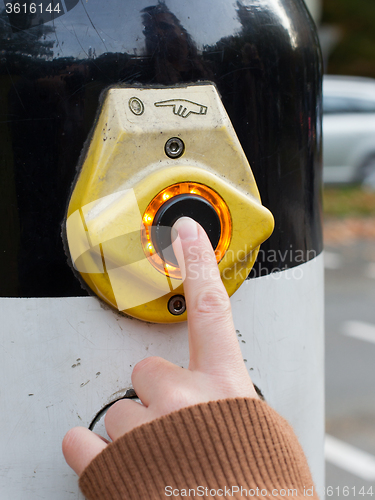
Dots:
pixel 349 130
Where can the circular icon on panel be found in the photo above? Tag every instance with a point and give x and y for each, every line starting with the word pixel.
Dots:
pixel 136 106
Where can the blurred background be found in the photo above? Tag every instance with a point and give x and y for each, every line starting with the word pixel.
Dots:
pixel 347 35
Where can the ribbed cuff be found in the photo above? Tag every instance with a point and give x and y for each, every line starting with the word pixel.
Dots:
pixel 221 444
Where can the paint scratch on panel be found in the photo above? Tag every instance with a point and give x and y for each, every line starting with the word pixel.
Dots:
pixel 75 329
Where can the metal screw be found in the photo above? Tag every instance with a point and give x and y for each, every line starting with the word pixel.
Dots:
pixel 177 305
pixel 174 147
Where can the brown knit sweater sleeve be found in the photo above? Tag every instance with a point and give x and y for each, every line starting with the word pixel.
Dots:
pixel 212 449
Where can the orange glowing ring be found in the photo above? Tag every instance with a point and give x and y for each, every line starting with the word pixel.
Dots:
pixel 205 192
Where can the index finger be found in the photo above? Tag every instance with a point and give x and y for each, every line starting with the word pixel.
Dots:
pixel 212 338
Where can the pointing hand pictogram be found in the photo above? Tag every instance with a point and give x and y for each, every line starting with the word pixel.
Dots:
pixel 183 107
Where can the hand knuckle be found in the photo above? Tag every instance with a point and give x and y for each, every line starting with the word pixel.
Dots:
pixel 214 300
pixel 119 407
pixel 178 397
pixel 144 364
pixel 148 365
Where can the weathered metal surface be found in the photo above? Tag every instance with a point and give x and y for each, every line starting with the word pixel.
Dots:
pixel 63 359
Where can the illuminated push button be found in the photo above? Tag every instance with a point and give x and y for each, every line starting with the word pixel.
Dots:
pixel 189 199
pixel 183 205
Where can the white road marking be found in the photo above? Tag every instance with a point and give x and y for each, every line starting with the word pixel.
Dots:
pixel 370 270
pixel 332 260
pixel 349 458
pixel 359 330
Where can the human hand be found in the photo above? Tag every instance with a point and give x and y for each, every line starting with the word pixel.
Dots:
pixel 216 369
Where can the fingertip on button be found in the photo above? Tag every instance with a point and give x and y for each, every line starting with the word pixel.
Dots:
pixel 187 228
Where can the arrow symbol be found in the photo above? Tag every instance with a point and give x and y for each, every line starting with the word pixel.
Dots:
pixel 183 107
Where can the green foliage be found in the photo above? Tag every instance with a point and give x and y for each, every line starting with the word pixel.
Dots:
pixel 348 201
pixel 355 53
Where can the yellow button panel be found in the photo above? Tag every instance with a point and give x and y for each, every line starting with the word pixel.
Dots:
pixel 147 147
